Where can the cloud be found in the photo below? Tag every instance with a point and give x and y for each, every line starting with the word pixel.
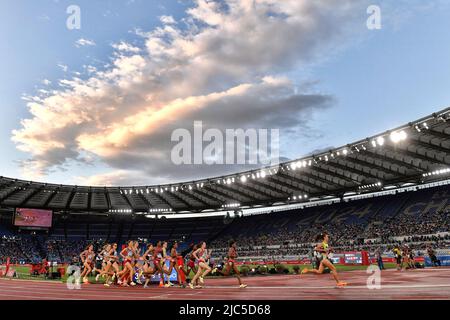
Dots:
pixel 118 177
pixel 84 43
pixel 225 67
pixel 63 67
pixel 125 47
pixel 167 20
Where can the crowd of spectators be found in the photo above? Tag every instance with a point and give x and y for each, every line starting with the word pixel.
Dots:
pixel 372 235
pixel 288 241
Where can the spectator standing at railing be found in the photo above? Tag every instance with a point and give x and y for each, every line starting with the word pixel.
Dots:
pixel 432 254
pixel 379 259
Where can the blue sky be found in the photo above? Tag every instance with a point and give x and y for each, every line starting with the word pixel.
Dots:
pixel 377 79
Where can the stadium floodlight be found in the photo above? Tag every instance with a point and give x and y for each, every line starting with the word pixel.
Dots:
pixel 425 125
pixel 380 141
pixel 345 152
pixel 293 165
pixel 263 174
pixel 243 179
pixel 398 136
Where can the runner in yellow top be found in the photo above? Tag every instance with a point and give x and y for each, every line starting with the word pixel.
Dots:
pixel 323 249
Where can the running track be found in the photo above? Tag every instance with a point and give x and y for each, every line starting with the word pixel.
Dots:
pixel 415 284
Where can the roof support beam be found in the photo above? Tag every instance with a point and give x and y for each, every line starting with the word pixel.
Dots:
pixel 267 185
pixel 292 186
pixel 302 181
pixel 329 182
pixel 364 162
pixel 247 186
pixel 413 154
pixel 372 153
pixel 354 170
pixel 325 170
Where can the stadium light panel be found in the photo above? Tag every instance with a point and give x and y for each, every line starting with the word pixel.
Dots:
pixel 398 136
pixel 243 179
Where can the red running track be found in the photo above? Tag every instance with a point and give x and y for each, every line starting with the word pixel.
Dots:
pixel 432 283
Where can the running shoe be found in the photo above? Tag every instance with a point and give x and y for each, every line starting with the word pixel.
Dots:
pixel 133 284
pixel 242 286
pixel 97 277
pixel 342 284
pixel 106 284
pixel 304 270
pixel 191 286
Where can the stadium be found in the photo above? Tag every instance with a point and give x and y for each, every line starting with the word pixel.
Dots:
pixel 371 196
pixel 220 158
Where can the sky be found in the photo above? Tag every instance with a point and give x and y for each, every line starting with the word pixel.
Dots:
pixel 97 105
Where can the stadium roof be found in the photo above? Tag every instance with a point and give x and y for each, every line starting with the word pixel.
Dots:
pixel 413 154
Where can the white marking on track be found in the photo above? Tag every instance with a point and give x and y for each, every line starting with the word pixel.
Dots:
pixel 332 287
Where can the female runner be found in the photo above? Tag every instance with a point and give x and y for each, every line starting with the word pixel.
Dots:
pixel 201 255
pixel 114 258
pixel 87 259
pixel 104 258
pixel 322 247
pixel 157 260
pixel 191 261
pixel 177 261
pixel 110 259
pixel 166 257
pixel 231 264
pixel 149 265
pixel 128 255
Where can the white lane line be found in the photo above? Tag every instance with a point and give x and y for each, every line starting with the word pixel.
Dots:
pixel 333 287
pixel 39 297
